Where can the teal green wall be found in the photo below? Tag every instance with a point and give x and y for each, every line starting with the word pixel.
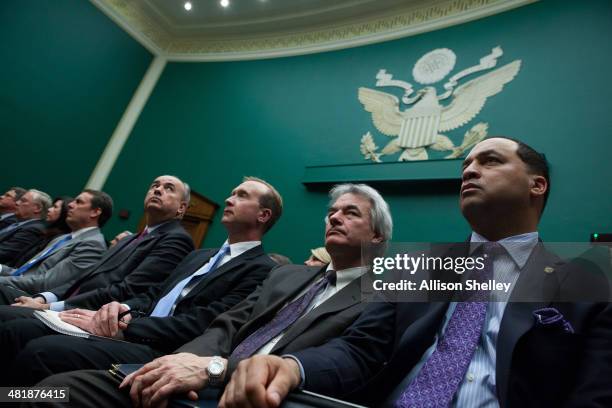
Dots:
pixel 68 72
pixel 212 123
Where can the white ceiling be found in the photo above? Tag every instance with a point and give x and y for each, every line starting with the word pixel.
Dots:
pixel 253 29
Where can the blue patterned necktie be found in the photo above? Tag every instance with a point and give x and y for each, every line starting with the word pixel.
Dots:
pixel 440 376
pixel 165 305
pixel 283 319
pixel 42 256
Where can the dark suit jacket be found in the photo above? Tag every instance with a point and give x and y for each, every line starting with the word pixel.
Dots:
pixel 8 221
pixel 16 240
pixel 536 365
pixel 326 321
pixel 218 291
pixel 128 269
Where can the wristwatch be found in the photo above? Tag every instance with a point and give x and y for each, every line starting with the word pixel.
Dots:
pixel 215 369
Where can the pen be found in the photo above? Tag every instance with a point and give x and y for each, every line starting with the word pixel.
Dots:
pixel 136 313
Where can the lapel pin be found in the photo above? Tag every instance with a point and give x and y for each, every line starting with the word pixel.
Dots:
pixel 549 269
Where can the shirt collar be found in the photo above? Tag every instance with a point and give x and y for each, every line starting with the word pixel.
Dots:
pixel 346 276
pixel 82 231
pixel 151 228
pixel 20 223
pixel 518 246
pixel 239 248
pixel 6 215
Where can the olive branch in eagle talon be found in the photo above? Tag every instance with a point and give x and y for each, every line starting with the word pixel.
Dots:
pixel 419 127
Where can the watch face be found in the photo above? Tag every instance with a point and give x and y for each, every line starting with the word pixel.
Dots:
pixel 215 368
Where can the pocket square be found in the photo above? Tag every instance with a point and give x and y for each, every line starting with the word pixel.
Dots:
pixel 551 317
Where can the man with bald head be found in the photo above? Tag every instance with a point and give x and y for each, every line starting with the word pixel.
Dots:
pixel 205 284
pixel 295 307
pixel 131 266
pixel 534 349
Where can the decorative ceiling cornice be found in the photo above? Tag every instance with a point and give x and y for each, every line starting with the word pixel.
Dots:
pixel 414 19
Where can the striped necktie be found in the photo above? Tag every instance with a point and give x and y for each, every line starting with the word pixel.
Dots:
pixel 283 319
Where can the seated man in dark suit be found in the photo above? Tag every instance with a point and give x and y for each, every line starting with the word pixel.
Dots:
pixel 68 255
pixel 205 284
pixel 547 352
pixel 8 205
pixel 129 268
pixel 296 307
pixel 55 226
pixel 30 210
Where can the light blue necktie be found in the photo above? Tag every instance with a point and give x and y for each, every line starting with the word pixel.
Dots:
pixel 37 259
pixel 164 306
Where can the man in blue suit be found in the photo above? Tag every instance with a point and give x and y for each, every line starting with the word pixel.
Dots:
pixel 543 352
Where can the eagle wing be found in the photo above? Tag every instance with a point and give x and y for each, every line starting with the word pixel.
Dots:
pixel 384 108
pixel 470 97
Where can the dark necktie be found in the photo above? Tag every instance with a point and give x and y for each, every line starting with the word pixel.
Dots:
pixel 283 319
pixel 140 236
pixel 440 376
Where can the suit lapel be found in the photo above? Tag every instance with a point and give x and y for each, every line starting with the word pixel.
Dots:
pixel 127 249
pixel 535 289
pixel 217 272
pixel 70 244
pixel 30 223
pixel 62 250
pixel 277 295
pixel 116 249
pixel 196 263
pixel 124 250
pixel 7 234
pixel 345 298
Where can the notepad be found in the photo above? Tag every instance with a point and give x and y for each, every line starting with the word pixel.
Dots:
pixel 52 320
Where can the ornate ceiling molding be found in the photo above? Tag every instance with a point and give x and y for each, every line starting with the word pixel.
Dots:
pixel 131 16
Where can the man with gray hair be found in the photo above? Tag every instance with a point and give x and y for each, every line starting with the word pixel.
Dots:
pixel 30 210
pixel 67 256
pixel 132 266
pixel 296 307
pixel 8 204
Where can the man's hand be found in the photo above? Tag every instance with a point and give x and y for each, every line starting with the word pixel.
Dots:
pixel 106 320
pixel 103 322
pixel 81 318
pixel 156 381
pixel 34 303
pixel 261 382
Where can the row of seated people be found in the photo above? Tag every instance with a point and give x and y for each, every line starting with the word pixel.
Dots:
pixel 228 319
pixel 204 284
pixel 57 250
